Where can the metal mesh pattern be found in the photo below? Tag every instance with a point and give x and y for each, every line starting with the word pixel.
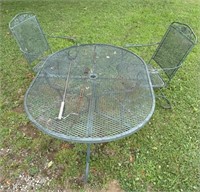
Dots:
pixel 29 35
pixel 109 94
pixel 174 47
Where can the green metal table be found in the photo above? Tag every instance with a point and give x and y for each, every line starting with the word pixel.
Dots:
pixel 91 93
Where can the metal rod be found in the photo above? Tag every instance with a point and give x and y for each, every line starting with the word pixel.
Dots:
pixel 64 95
pixel 87 163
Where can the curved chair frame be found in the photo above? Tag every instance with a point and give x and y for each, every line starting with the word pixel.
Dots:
pixel 171 52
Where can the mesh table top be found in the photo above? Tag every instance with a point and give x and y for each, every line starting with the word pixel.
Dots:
pixel 106 91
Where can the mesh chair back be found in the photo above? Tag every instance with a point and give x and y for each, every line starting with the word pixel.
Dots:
pixel 29 36
pixel 176 44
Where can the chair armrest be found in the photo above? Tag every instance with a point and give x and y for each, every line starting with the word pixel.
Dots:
pixel 152 70
pixel 157 70
pixel 63 37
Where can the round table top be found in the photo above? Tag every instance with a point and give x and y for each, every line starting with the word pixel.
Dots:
pixel 105 91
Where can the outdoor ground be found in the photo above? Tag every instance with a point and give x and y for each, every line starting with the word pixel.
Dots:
pixel 162 157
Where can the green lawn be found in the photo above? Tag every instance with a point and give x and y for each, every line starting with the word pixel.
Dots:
pixel 162 157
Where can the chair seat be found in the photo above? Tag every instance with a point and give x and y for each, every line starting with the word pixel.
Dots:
pixel 156 80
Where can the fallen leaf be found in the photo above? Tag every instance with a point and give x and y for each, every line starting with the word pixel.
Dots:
pixel 131 159
pixel 50 164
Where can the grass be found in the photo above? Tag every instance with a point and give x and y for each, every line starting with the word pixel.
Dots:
pixel 163 156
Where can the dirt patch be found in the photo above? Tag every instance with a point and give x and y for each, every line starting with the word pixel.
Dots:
pixel 19 109
pixel 29 130
pixel 113 187
pixel 30 76
pixel 65 145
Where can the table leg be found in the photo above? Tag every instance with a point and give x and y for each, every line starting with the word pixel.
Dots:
pixel 87 162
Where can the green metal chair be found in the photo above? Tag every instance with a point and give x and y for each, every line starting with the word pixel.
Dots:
pixel 170 53
pixel 31 39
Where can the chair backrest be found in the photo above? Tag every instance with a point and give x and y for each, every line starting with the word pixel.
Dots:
pixel 175 45
pixel 29 36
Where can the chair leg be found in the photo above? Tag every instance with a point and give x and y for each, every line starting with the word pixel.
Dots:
pixel 162 97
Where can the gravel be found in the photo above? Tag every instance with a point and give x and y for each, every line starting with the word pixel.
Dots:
pixel 25 183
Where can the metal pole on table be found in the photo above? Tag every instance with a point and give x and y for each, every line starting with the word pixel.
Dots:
pixel 71 58
pixel 87 162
